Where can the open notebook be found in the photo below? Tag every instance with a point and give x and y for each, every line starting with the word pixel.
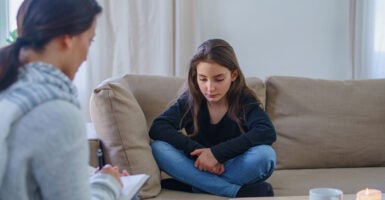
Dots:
pixel 131 184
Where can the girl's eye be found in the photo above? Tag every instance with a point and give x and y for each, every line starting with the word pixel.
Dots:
pixel 220 80
pixel 202 79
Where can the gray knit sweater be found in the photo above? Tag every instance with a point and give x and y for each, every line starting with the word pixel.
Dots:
pixel 48 157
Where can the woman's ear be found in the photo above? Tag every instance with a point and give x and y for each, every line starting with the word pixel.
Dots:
pixel 67 41
pixel 234 75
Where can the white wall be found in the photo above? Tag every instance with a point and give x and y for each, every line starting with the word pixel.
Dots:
pixel 307 38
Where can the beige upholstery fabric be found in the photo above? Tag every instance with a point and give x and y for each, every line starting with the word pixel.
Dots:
pixel 154 93
pixel 259 88
pixel 349 180
pixel 322 123
pixel 121 125
pixel 176 195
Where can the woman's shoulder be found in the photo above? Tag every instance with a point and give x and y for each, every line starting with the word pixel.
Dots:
pixel 60 109
pixel 52 118
pixel 53 124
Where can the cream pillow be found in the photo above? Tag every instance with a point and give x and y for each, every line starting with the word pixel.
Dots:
pixel 121 125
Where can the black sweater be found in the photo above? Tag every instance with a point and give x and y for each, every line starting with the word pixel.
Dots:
pixel 224 138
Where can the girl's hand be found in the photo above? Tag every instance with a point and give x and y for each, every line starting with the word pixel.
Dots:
pixel 206 161
pixel 218 169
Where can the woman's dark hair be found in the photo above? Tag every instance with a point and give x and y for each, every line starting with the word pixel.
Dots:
pixel 220 52
pixel 40 21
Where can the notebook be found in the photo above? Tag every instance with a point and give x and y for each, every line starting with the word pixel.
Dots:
pixel 132 185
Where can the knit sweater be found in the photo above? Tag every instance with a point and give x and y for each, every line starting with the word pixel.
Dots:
pixel 224 138
pixel 46 149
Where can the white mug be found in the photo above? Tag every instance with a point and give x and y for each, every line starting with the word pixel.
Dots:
pixel 325 194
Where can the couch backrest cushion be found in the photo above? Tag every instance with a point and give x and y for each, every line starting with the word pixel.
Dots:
pixel 121 125
pixel 155 93
pixel 326 124
pixel 259 88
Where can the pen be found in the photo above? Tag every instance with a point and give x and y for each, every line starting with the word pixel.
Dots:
pixel 100 158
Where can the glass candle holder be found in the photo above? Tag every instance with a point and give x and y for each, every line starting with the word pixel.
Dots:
pixel 369 194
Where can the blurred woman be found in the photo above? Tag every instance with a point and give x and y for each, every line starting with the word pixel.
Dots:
pixel 44 154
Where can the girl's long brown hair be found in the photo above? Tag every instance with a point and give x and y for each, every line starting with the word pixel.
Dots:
pixel 220 52
pixel 40 21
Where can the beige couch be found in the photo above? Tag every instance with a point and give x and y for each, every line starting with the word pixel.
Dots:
pixel 329 133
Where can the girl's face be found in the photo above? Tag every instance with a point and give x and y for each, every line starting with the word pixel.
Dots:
pixel 214 81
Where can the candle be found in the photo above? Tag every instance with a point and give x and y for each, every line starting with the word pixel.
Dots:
pixel 369 194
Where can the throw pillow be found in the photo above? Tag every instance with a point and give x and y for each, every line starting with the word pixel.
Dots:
pixel 121 125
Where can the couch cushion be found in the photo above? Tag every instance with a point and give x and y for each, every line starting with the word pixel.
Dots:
pixel 324 124
pixel 177 195
pixel 121 125
pixel 259 88
pixel 349 180
pixel 155 93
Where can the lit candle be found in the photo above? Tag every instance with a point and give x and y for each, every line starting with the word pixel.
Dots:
pixel 369 194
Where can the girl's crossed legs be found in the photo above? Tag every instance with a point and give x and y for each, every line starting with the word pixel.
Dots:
pixel 255 165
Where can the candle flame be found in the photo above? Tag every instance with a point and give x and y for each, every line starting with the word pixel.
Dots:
pixel 367 191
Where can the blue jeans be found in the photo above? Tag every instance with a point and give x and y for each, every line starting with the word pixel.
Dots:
pixel 255 165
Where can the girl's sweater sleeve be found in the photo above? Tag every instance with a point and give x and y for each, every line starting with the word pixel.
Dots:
pixel 260 131
pixel 166 127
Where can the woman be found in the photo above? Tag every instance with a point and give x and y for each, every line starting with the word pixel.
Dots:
pixel 227 148
pixel 44 152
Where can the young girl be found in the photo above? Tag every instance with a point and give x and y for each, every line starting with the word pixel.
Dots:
pixel 43 151
pixel 226 150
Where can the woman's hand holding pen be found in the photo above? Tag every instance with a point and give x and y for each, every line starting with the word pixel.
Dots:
pixel 206 161
pixel 113 171
pixel 108 169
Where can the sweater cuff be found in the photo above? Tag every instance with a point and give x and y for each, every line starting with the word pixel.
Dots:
pixel 105 186
pixel 192 146
pixel 217 154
